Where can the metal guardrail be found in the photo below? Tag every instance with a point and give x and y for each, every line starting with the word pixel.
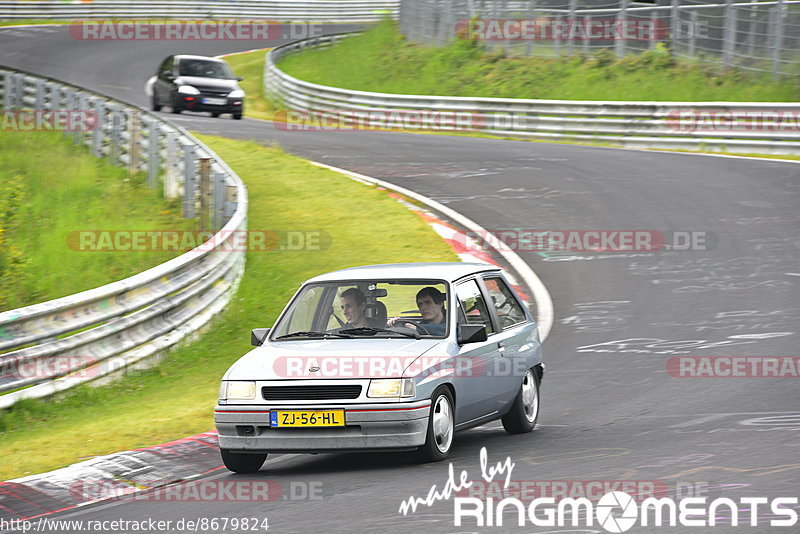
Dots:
pixel 54 345
pixel 628 124
pixel 289 10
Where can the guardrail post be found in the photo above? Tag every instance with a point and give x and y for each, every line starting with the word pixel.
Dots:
pixel 39 105
pixel 219 200
pixel 134 136
pixel 231 198
pixel 19 91
pixel 116 135
pixel 728 34
pixel 777 41
pixel 81 106
pixel 153 153
pixel 100 118
pixel 171 171
pixel 205 192
pixel 188 181
pixel 622 14
pixel 8 83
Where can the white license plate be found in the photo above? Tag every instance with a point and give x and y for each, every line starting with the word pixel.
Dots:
pixel 215 101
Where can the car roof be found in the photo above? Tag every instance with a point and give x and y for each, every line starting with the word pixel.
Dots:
pixel 448 271
pixel 186 56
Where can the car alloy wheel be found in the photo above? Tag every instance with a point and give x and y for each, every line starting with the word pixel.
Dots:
pixel 441 427
pixel 530 397
pixel 443 424
pixel 522 416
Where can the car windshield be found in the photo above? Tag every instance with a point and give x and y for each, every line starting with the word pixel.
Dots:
pixel 205 69
pixel 366 309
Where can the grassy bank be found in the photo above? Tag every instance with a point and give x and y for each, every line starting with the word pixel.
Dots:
pixel 49 190
pixel 381 60
pixel 250 65
pixel 176 398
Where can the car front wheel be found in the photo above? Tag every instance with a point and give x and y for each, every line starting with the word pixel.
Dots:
pixel 154 103
pixel 525 410
pixel 241 462
pixel 441 424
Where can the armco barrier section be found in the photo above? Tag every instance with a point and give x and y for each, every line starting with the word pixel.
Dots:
pixel 54 345
pixel 659 125
pixel 290 10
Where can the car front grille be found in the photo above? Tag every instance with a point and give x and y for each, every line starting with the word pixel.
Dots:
pixel 213 91
pixel 347 391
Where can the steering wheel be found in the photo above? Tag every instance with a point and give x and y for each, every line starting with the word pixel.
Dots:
pixel 420 328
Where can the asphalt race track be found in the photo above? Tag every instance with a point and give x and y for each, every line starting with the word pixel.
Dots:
pixel 611 411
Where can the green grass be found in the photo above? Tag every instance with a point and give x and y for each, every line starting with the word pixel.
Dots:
pixel 250 65
pixel 176 398
pixel 49 190
pixel 382 60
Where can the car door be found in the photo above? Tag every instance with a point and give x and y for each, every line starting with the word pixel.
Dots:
pixel 163 84
pixel 516 338
pixel 476 393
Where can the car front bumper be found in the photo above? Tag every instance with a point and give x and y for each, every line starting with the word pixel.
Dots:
pixel 195 103
pixel 376 426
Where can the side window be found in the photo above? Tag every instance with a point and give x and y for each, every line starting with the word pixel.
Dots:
pixel 508 309
pixel 473 307
pixel 166 65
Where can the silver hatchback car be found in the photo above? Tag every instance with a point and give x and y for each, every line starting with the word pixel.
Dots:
pixel 383 357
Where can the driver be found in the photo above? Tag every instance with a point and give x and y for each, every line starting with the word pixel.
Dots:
pixel 430 302
pixel 353 304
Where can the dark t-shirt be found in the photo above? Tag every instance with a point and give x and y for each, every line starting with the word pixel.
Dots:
pixel 435 329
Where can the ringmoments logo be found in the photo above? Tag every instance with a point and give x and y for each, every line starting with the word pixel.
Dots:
pixel 614 511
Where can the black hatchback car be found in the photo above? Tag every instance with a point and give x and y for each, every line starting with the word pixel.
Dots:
pixel 197 83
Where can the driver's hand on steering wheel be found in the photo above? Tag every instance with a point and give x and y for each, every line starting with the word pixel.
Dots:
pixel 393 320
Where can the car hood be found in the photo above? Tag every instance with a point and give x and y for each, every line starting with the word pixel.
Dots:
pixel 335 358
pixel 212 83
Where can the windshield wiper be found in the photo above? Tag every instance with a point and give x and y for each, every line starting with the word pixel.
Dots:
pixel 371 330
pixel 311 333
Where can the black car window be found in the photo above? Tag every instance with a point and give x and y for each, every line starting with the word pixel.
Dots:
pixel 509 311
pixel 166 65
pixel 472 305
pixel 204 69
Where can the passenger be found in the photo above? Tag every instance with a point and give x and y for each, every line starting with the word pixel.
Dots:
pixel 430 302
pixel 354 305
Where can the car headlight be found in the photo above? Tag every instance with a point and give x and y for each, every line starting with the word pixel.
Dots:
pixel 236 93
pixel 237 390
pixel 392 387
pixel 188 90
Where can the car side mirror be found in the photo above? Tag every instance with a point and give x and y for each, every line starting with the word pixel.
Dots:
pixel 168 75
pixel 239 78
pixel 471 333
pixel 258 336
